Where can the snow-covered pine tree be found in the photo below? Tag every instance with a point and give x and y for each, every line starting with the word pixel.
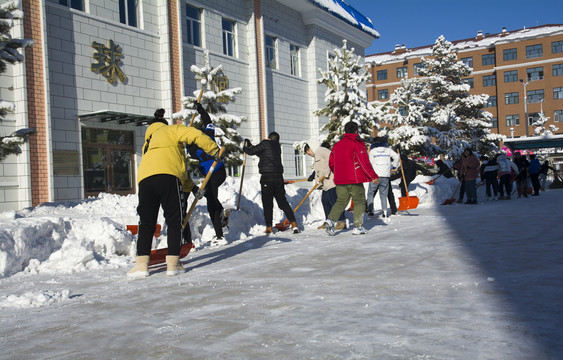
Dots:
pixel 346 101
pixel 9 53
pixel 405 120
pixel 215 100
pixel 539 125
pixel 458 116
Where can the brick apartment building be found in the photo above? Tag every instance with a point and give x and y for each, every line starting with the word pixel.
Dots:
pixel 98 69
pixel 510 66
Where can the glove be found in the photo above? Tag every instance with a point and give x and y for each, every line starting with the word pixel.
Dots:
pixel 247 144
pixel 198 193
pixel 312 177
pixel 199 107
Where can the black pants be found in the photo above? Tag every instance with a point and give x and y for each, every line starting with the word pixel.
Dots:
pixel 155 191
pixel 535 178
pixel 391 199
pixel 505 184
pixel 213 204
pixel 272 186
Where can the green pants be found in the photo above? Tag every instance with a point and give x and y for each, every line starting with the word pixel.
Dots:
pixel 343 195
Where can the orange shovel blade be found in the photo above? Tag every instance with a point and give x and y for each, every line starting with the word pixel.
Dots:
pixel 407 202
pixel 159 256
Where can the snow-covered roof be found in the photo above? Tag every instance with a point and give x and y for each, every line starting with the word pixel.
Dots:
pixel 485 41
pixel 341 9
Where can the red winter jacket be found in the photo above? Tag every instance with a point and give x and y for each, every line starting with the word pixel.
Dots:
pixel 349 161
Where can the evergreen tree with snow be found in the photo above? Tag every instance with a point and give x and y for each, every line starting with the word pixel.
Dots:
pixel 215 100
pixel 344 98
pixel 405 120
pixel 539 125
pixel 9 53
pixel 458 117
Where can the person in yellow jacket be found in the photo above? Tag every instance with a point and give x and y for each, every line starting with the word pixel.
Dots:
pixel 162 181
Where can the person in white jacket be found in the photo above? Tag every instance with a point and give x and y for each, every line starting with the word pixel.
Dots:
pixel 382 159
pixel 505 169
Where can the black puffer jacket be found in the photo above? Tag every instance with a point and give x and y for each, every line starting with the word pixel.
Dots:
pixel 269 152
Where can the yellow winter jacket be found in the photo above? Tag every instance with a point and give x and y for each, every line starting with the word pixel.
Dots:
pixel 163 151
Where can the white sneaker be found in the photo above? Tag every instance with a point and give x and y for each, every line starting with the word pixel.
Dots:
pixel 358 230
pixel 329 227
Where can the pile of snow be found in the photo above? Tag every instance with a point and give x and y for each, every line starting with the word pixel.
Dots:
pixel 68 237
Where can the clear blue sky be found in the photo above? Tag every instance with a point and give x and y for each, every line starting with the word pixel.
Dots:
pixel 420 22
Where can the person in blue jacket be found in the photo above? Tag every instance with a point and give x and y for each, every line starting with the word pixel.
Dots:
pixel 218 218
pixel 534 172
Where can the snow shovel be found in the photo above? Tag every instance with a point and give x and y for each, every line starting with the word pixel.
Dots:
pixel 203 185
pixel 452 199
pixel 406 202
pixel 241 180
pixel 293 181
pixel 285 225
pixel 431 182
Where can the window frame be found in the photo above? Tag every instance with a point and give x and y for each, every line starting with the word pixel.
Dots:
pixel 271 52
pixel 384 92
pixel 129 9
pixel 558 115
pixel 402 72
pixel 511 98
pixel 534 51
pixel 467 61
pixel 510 74
pixel 556 47
pixel 531 71
pixel 492 101
pixel 489 80
pixel 191 25
pixel 295 60
pixel 557 69
pixel 557 93
pixel 535 95
pixel 513 120
pixel 510 54
pixel 229 37
pixel 381 72
pixel 488 57
pixel 416 67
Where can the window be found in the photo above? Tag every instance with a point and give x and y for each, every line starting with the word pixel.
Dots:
pixel 228 37
pixel 193 25
pixel 489 80
pixel 294 60
pixel 535 96
pixel 534 51
pixel 491 101
pixel 558 70
pixel 128 12
pixel 75 4
pixel 558 116
pixel 509 54
pixel 512 120
pixel 494 123
pixel 511 98
pixel 271 53
pixel 416 68
pixel 382 94
pixel 557 47
pixel 558 93
pixel 469 81
pixel 382 75
pixel 299 163
pixel 488 59
pixel 468 61
pixel 402 72
pixel 535 73
pixel 533 117
pixel 510 76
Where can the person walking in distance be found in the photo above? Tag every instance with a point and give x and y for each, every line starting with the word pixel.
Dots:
pixel 522 178
pixel 162 179
pixel 321 168
pixel 534 170
pixel 470 171
pixel 350 164
pixel 506 169
pixel 271 180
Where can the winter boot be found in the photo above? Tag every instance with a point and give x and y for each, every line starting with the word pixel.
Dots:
pixel 268 230
pixel 358 230
pixel 340 225
pixel 294 228
pixel 329 227
pixel 173 265
pixel 141 269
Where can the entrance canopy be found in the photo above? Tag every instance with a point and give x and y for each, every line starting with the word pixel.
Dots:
pixel 121 118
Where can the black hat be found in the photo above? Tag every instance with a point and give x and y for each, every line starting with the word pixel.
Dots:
pixel 159 117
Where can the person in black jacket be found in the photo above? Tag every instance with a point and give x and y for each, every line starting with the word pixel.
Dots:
pixel 214 207
pixel 522 178
pixel 271 182
pixel 409 167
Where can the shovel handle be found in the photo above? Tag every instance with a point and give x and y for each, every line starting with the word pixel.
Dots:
pixel 198 100
pixel 241 180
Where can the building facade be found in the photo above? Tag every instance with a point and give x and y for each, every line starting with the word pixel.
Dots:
pixel 100 68
pixel 521 71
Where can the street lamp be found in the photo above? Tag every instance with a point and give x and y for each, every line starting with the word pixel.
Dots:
pixel 525 104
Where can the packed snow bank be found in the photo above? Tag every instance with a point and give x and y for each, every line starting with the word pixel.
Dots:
pixel 67 237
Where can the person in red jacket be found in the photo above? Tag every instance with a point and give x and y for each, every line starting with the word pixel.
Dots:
pixel 470 172
pixel 350 164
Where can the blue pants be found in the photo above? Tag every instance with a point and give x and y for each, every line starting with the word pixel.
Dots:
pixel 470 190
pixel 383 187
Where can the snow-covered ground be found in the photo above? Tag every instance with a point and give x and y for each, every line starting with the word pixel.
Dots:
pixel 440 282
